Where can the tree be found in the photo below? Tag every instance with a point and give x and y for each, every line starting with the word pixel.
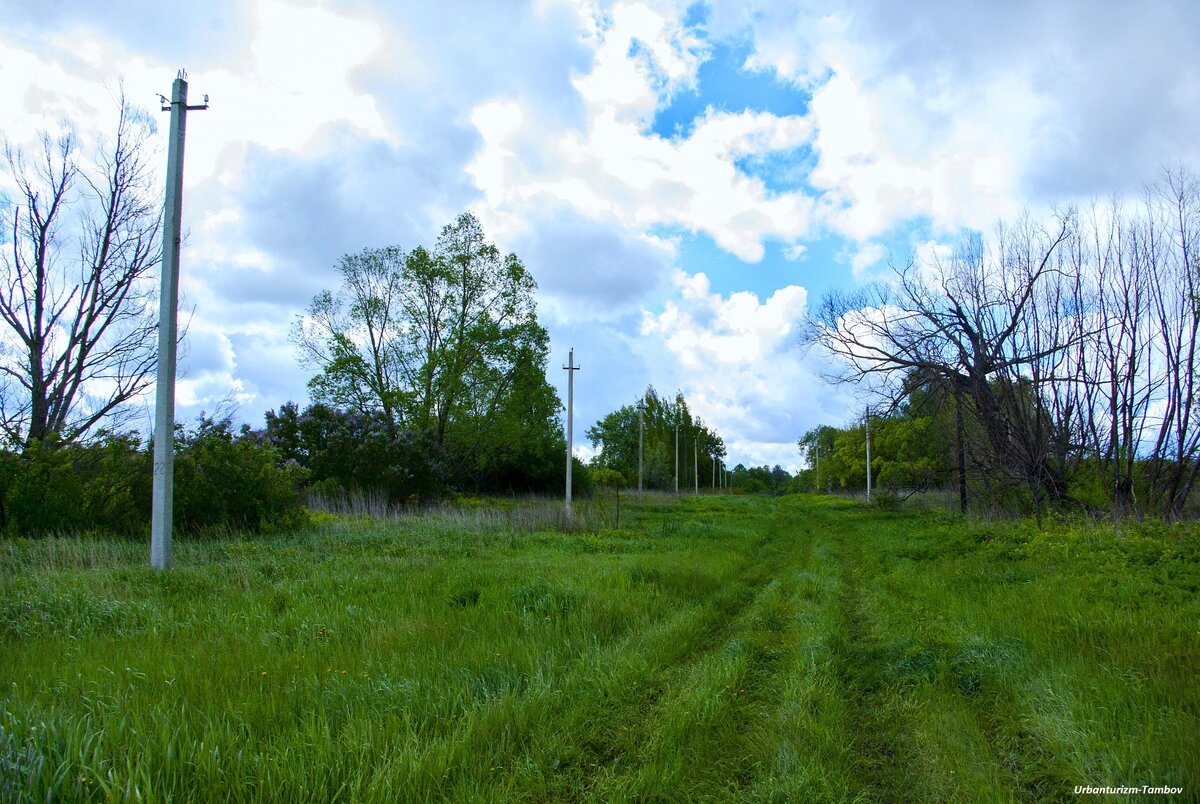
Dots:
pixel 355 336
pixel 616 437
pixel 78 335
pixel 445 341
pixel 988 324
pixel 1070 356
pixel 612 480
pixel 1172 253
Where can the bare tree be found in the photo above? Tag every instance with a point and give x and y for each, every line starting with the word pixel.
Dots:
pixel 1117 364
pixel 986 324
pixel 78 334
pixel 1171 250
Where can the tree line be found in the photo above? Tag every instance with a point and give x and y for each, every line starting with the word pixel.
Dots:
pixel 1049 364
pixel 1058 359
pixel 674 444
pixel 672 439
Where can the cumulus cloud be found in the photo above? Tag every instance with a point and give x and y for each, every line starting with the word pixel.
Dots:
pixel 736 359
pixel 343 125
pixel 965 112
pixel 613 167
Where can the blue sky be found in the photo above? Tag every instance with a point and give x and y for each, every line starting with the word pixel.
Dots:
pixel 683 179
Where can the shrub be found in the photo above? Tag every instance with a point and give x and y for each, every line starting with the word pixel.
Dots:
pixel 103 486
pixel 44 493
pixel 886 500
pixel 228 479
pixel 222 479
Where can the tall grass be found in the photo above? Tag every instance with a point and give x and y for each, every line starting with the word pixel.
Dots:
pixel 715 648
pixel 526 514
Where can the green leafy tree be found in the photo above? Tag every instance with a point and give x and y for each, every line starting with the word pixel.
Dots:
pixel 445 341
pixel 615 435
pixel 816 446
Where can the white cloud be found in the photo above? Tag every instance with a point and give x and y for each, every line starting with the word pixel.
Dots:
pixel 794 252
pixel 613 167
pixel 736 359
pixel 866 257
pixel 640 56
pixel 965 113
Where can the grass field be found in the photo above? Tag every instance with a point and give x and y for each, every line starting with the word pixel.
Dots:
pixel 791 649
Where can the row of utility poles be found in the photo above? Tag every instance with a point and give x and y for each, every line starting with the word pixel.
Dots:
pixel 571 368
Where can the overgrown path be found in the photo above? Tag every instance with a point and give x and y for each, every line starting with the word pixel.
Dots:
pixel 795 649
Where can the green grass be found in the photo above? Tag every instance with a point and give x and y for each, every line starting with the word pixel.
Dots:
pixel 795 649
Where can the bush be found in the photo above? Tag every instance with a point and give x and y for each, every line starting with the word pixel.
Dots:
pixel 352 452
pixel 44 493
pixel 223 479
pixel 886 500
pixel 100 486
pixel 607 478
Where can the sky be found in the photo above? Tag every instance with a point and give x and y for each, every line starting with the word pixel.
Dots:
pixel 682 179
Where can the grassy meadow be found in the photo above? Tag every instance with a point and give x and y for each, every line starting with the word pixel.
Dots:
pixel 714 648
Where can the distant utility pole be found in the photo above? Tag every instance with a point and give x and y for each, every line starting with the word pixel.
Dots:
pixel 868 421
pixel 818 463
pixel 696 464
pixel 677 452
pixel 714 480
pixel 570 368
pixel 162 510
pixel 641 438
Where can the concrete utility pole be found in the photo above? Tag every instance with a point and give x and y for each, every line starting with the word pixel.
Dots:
pixel 570 368
pixel 696 463
pixel 867 418
pixel 714 480
pixel 818 464
pixel 162 509
pixel 641 438
pixel 677 452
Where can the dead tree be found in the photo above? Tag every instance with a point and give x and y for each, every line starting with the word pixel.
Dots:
pixel 77 312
